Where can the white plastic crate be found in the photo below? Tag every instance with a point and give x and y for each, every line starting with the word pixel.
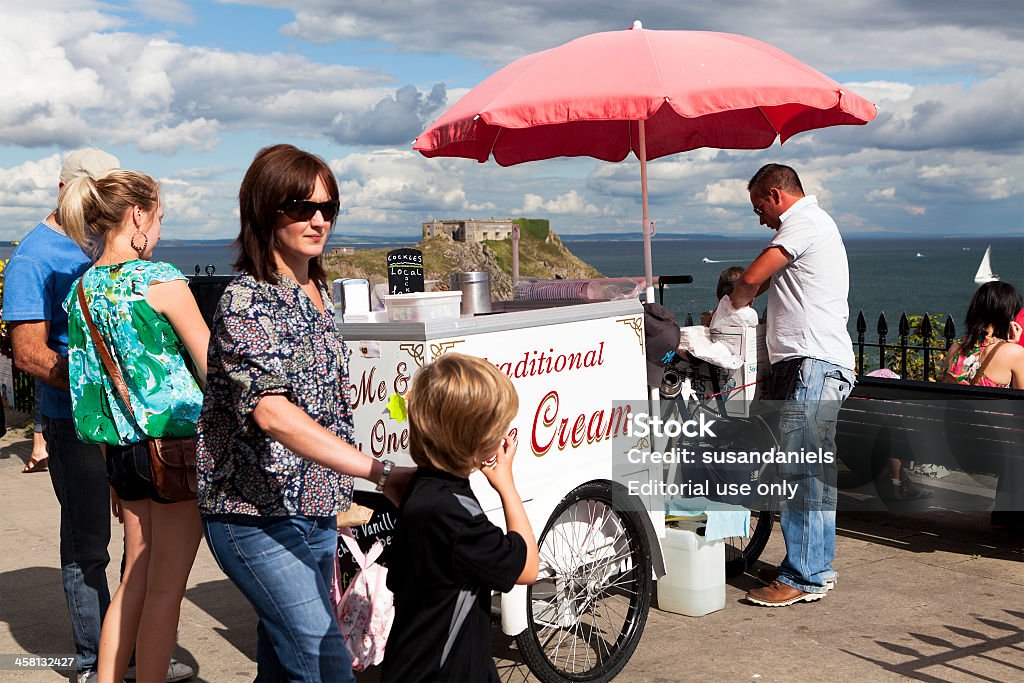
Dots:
pixel 745 383
pixel 420 306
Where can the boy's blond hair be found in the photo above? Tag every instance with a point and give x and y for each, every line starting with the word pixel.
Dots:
pixel 458 406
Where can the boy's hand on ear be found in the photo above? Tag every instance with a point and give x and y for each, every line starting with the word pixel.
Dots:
pixel 499 474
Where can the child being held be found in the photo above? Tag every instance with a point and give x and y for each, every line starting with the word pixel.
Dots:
pixel 447 556
pixel 726 284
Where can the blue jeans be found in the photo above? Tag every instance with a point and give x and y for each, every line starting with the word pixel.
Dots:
pixel 284 567
pixel 808 422
pixel 79 477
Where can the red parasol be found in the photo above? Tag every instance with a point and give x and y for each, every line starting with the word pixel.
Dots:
pixel 652 93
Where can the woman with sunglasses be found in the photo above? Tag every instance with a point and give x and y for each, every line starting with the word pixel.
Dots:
pixel 275 453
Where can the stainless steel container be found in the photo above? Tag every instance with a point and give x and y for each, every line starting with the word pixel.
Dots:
pixel 475 286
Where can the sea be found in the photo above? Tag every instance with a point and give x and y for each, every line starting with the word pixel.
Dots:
pixel 888 276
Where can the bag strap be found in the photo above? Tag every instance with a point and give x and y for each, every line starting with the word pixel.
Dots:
pixel 980 374
pixel 362 559
pixel 104 352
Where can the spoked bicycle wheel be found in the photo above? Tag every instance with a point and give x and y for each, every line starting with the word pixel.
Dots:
pixel 741 552
pixel 589 606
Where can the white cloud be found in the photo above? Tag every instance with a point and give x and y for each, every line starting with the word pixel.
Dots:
pixel 857 34
pixel 988 114
pixel 882 91
pixel 198 207
pixel 84 81
pixel 571 202
pixel 881 195
pixel 730 191
pixel 28 193
pixel 399 188
pixel 392 120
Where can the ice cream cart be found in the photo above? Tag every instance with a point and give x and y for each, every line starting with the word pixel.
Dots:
pixel 580 372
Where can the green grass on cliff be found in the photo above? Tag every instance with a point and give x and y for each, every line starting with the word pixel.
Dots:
pixel 537 257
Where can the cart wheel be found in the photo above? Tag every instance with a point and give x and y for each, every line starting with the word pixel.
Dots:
pixel 741 552
pixel 589 606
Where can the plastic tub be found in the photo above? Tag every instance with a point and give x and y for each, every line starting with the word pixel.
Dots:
pixel 694 584
pixel 420 306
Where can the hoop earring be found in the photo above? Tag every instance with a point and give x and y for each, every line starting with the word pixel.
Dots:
pixel 145 242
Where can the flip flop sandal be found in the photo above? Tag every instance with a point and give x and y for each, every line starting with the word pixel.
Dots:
pixel 34 465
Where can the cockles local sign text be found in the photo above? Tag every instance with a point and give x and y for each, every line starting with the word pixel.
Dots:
pixel 558 387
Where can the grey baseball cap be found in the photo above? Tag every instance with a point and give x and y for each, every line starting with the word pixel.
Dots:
pixel 91 161
pixel 661 332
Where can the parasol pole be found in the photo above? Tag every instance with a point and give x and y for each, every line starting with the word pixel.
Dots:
pixel 515 255
pixel 648 227
pixel 652 392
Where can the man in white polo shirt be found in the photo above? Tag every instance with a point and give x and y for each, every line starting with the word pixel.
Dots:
pixel 805 272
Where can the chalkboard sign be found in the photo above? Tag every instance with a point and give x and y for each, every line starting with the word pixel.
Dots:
pixel 380 527
pixel 405 271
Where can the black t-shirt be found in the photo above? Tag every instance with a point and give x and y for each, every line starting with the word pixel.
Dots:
pixel 446 559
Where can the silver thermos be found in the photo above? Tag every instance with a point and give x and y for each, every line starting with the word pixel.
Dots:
pixel 475 286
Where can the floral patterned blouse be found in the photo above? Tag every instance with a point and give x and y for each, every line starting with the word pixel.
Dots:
pixel 964 367
pixel 271 339
pixel 164 395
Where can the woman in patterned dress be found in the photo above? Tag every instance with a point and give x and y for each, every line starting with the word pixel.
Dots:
pixel 148 320
pixel 275 452
pixel 988 355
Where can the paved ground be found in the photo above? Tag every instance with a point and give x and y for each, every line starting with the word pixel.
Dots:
pixel 933 596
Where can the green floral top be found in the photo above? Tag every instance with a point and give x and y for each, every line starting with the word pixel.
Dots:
pixel 164 395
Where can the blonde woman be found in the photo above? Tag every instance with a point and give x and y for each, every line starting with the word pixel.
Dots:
pixel 149 321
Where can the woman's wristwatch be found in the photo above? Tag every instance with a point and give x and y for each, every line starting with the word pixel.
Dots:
pixel 385 473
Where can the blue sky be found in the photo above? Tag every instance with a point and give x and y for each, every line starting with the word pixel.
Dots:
pixel 190 91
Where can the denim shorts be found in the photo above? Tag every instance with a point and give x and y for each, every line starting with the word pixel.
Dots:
pixel 129 473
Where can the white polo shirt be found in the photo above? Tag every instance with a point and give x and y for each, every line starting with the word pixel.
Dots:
pixel 807 299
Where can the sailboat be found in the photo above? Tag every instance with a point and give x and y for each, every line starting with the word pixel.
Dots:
pixel 985 273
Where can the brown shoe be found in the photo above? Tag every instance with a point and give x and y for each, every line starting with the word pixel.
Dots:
pixel 778 594
pixel 768 575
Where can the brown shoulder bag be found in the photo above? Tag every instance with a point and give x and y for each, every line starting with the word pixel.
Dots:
pixel 172 460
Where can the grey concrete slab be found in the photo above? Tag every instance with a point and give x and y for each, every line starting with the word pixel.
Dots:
pixel 930 596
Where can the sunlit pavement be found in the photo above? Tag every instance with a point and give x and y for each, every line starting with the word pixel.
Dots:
pixel 928 595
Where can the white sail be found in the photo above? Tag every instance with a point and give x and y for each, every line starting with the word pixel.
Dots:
pixel 985 273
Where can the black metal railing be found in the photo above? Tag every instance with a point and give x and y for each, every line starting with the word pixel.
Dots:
pixel 917 352
pixel 908 349
pixel 207 290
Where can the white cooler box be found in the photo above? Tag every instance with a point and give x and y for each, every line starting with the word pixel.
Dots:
pixel 747 343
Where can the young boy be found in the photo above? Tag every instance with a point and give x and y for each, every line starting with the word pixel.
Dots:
pixel 447 556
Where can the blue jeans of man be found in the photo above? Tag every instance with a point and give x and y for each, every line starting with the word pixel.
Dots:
pixel 284 567
pixel 808 423
pixel 79 476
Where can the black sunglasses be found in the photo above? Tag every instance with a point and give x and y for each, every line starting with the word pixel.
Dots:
pixel 304 209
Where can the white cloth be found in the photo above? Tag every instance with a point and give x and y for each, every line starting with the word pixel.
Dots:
pixel 727 316
pixel 807 299
pixel 697 341
pixel 723 521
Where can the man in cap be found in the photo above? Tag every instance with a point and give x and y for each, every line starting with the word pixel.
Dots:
pixel 36 281
pixel 804 270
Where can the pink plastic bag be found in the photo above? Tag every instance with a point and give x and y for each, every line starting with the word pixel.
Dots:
pixel 366 609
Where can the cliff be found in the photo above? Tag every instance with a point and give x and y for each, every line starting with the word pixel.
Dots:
pixel 541 255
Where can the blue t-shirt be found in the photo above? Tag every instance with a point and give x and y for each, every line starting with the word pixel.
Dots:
pixel 36 283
